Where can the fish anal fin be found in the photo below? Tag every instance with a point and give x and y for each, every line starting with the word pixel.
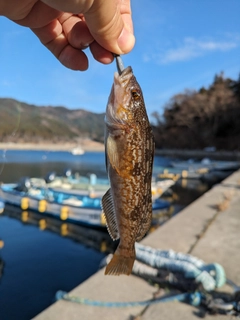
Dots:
pixel 119 265
pixel 110 215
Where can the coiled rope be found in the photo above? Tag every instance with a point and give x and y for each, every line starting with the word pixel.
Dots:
pixel 211 276
pixel 149 261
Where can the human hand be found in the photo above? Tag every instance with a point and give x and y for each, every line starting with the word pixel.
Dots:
pixel 66 28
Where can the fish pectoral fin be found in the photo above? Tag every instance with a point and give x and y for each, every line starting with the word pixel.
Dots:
pixel 110 215
pixel 112 153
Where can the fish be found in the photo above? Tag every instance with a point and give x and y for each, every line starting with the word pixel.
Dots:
pixel 129 151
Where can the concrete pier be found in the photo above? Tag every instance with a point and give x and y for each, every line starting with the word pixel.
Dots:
pixel 209 229
pixel 199 154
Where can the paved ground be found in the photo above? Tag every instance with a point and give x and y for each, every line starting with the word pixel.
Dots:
pixel 209 228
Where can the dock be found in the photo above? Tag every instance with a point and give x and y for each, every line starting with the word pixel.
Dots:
pixel 209 229
pixel 199 154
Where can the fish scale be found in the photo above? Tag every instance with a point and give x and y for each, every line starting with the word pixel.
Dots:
pixel 127 205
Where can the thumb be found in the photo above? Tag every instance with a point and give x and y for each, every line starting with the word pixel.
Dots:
pixel 110 24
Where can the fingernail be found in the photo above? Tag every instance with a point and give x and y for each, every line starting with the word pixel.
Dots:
pixel 126 41
pixel 84 46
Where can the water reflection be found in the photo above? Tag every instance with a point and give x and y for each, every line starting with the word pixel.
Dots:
pixel 1 260
pixel 186 191
pixel 95 238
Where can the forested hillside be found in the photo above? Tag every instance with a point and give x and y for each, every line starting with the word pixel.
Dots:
pixel 199 119
pixel 28 123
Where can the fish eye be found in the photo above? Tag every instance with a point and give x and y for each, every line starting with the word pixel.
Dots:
pixel 135 94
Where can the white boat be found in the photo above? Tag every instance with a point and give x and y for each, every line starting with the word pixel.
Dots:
pixel 161 186
pixel 77 151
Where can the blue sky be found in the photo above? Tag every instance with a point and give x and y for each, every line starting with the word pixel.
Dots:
pixel 180 44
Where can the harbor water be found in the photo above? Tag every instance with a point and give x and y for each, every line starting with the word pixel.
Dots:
pixel 39 258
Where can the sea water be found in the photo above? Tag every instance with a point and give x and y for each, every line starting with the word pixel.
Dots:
pixel 36 262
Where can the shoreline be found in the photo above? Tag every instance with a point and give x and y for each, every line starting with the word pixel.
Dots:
pixel 90 145
pixel 86 145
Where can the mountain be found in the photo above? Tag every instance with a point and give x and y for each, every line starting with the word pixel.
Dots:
pixel 22 122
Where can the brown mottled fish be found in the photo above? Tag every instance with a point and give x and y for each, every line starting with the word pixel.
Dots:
pixel 129 159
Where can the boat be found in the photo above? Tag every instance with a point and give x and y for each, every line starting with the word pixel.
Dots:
pixel 67 205
pixel 93 185
pixel 205 164
pixel 2 205
pixel 64 206
pixel 181 171
pixel 159 187
pixel 77 151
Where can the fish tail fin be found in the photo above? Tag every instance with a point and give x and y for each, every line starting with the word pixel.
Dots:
pixel 120 265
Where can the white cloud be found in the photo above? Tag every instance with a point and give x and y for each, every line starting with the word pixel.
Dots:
pixel 192 48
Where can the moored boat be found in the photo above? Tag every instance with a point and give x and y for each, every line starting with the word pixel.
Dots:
pixel 77 151
pixel 93 185
pixel 78 209
pixel 2 205
pixel 207 164
pixel 72 206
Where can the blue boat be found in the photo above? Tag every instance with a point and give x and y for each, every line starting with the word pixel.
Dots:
pixel 70 205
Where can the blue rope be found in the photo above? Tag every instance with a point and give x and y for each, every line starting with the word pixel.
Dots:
pixel 211 276
pixel 190 298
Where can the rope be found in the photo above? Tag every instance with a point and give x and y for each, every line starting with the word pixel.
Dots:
pixel 210 276
pixel 169 254
pixel 190 298
pixel 152 261
pixel 187 269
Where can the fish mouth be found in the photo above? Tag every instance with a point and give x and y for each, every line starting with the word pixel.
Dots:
pixel 123 78
pixel 120 83
pixel 119 98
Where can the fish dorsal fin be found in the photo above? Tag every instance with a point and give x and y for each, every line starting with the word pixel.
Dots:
pixel 110 215
pixel 112 153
